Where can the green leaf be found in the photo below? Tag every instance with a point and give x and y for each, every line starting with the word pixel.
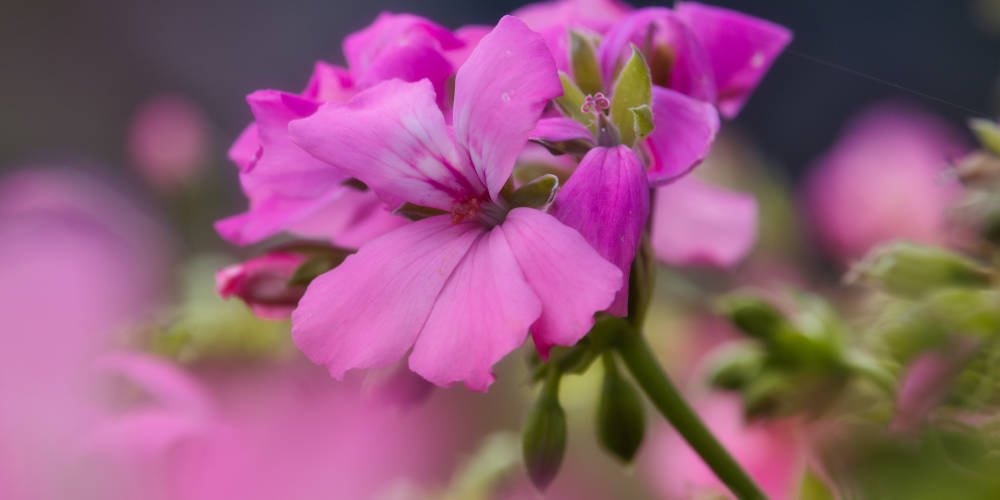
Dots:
pixel 583 59
pixel 988 133
pixel 536 194
pixel 642 119
pixel 417 212
pixel 632 90
pixel 621 421
pixel 571 102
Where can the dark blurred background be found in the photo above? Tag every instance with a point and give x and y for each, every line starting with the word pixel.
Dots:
pixel 73 72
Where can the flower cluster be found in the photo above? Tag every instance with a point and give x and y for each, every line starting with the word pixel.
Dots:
pixel 411 153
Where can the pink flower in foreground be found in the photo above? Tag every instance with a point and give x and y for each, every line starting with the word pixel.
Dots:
pixel 262 283
pixel 769 452
pixel 168 141
pixel 463 288
pixel 696 224
pixel 290 190
pixel 553 20
pixel 883 180
pixel 708 53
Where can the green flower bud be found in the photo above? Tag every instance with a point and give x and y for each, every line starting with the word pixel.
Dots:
pixel 621 421
pixel 543 441
pixel 753 315
pixel 911 270
pixel 734 367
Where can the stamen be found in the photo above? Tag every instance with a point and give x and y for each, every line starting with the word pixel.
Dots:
pixel 595 103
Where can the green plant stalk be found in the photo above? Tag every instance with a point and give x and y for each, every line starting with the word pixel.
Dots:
pixel 661 391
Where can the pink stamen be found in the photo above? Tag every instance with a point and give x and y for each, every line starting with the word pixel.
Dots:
pixel 595 103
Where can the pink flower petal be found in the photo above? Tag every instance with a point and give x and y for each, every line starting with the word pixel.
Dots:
pixel 500 93
pixel 368 311
pixel 685 67
pixel 329 83
pixel 245 151
pixel 741 49
pixel 349 221
pixel 482 314
pixel 393 138
pixel 684 130
pixel 698 224
pixel 607 201
pixel 552 19
pixel 561 129
pixel 569 277
pixel 271 214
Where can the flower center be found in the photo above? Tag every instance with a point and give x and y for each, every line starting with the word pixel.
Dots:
pixel 595 104
pixel 481 208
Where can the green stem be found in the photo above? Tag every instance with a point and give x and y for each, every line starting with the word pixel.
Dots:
pixel 654 382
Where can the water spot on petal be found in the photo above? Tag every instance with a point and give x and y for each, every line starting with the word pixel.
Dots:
pixel 757 60
pixel 505 97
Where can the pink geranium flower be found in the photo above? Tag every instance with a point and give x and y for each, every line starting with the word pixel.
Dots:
pixel 290 190
pixel 462 288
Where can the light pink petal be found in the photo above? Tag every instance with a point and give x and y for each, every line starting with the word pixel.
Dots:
pixel 569 277
pixel 350 221
pixel 500 92
pixel 741 49
pixel 684 130
pixel 675 56
pixel 245 151
pixel 283 166
pixel 471 36
pixel 553 19
pixel 607 201
pixel 169 387
pixel 329 83
pixel 481 315
pixel 368 311
pixel 393 138
pixel 561 129
pixel 698 224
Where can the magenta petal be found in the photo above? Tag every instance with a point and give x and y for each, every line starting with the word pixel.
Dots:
pixel 393 138
pixel 553 19
pixel 368 311
pixel 687 67
pixel 607 201
pixel 482 314
pixel 283 166
pixel 684 130
pixel 500 92
pixel 329 83
pixel 741 49
pixel 561 129
pixel 245 151
pixel 349 221
pixel 569 277
pixel 270 214
pixel 400 46
pixel 698 224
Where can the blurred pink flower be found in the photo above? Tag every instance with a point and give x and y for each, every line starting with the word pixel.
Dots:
pixel 260 432
pixel 262 283
pixel 168 141
pixel 769 452
pixel 482 269
pixel 927 380
pixel 697 224
pixel 554 19
pixel 78 263
pixel 884 179
pixel 290 190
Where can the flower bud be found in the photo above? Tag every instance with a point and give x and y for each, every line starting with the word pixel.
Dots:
pixel 263 283
pixel 753 315
pixel 621 422
pixel 911 270
pixel 543 442
pixel 735 366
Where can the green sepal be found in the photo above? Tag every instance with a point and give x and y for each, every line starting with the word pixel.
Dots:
pixel 417 212
pixel 538 194
pixel 572 100
pixel 632 90
pixel 583 60
pixel 642 119
pixel 988 133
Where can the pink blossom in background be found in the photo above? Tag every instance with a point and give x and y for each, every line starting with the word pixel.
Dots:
pixel 282 431
pixel 697 224
pixel 554 19
pixel 79 262
pixel 168 141
pixel 927 380
pixel 463 288
pixel 769 452
pixel 262 283
pixel 289 189
pixel 884 179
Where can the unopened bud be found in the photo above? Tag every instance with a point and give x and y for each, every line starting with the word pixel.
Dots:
pixel 911 270
pixel 543 441
pixel 262 283
pixel 753 315
pixel 735 366
pixel 621 421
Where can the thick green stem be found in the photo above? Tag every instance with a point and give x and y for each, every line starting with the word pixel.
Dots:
pixel 654 382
